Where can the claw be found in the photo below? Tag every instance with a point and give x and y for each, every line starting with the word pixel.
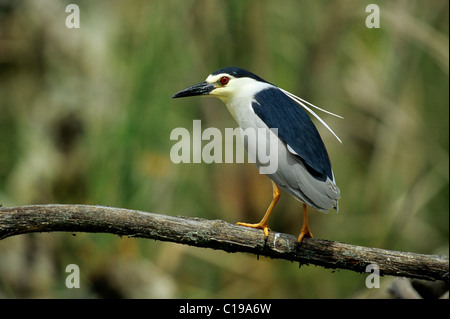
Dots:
pixel 305 232
pixel 264 227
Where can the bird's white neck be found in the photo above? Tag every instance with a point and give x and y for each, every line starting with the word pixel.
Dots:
pixel 239 100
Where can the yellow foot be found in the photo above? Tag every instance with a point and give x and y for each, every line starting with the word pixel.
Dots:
pixel 304 233
pixel 264 227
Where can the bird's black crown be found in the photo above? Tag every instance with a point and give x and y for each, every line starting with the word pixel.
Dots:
pixel 239 73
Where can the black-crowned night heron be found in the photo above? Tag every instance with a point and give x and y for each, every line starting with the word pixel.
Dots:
pixel 304 168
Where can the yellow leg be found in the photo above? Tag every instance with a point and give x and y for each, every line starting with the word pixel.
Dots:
pixel 305 228
pixel 263 223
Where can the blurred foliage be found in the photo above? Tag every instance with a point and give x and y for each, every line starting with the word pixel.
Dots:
pixel 86 115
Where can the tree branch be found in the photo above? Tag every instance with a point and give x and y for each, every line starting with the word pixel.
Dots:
pixel 217 234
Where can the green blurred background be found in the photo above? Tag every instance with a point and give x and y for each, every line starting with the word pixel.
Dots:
pixel 86 115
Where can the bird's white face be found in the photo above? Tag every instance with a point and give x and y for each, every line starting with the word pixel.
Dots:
pixel 227 87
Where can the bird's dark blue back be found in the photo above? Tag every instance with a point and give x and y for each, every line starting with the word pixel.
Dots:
pixel 295 128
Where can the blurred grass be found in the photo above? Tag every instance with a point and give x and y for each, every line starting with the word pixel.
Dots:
pixel 86 115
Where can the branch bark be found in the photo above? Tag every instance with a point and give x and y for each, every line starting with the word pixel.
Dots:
pixel 217 234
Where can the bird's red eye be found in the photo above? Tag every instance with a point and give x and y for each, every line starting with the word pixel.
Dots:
pixel 224 80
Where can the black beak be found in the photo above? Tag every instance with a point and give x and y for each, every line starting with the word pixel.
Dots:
pixel 203 88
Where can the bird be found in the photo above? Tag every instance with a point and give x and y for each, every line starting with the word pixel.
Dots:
pixel 304 168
